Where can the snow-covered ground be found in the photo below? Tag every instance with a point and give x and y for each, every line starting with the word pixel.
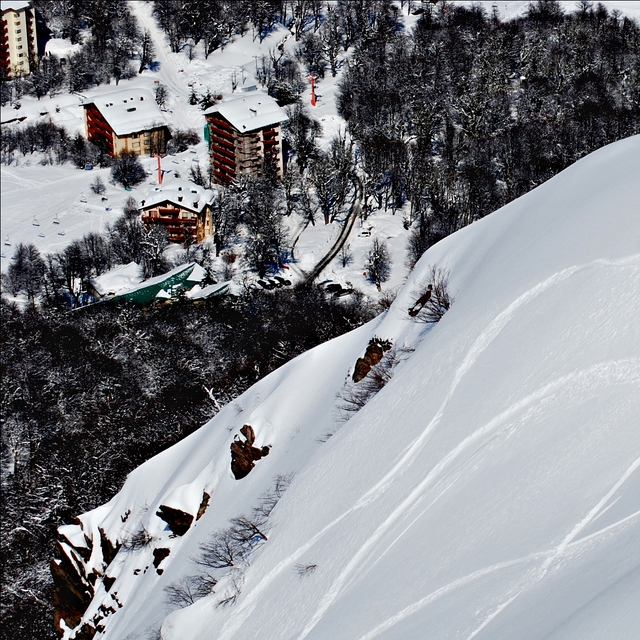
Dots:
pixel 490 490
pixel 50 193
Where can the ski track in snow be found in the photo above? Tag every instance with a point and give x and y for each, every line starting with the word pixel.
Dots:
pixel 481 343
pixel 574 547
pixel 607 372
pixel 488 335
pixel 559 551
pixel 168 71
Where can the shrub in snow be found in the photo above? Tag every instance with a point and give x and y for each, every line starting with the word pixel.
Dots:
pixel 127 170
pixel 98 187
pixel 432 299
pixel 137 540
pixel 189 589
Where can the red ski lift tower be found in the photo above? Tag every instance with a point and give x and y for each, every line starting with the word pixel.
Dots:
pixel 312 80
pixel 159 167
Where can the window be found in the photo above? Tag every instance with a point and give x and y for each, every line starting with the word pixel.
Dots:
pixel 19 47
pixel 18 30
pixel 18 39
pixel 135 135
pixel 21 55
pixel 17 23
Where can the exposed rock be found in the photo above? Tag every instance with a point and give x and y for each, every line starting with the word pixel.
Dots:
pixel 86 633
pixel 179 521
pixel 72 593
pixel 109 550
pixel 203 505
pixel 108 581
pixel 373 355
pixel 159 555
pixel 420 302
pixel 244 454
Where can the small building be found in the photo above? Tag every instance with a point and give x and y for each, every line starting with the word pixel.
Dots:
pixel 126 120
pixel 183 207
pixel 243 132
pixel 18 42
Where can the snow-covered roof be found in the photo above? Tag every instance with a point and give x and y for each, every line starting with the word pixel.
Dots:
pixel 8 5
pixel 182 193
pixel 250 112
pixel 61 47
pixel 129 110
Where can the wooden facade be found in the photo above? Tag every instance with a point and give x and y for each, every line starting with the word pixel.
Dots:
pixel 183 208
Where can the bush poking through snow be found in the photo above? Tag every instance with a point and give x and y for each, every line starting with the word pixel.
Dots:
pixel 222 551
pixel 234 588
pixel 354 395
pixel 189 589
pixel 304 570
pixel 138 540
pixel 228 549
pixel 432 299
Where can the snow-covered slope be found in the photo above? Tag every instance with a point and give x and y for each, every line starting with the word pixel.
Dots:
pixel 490 490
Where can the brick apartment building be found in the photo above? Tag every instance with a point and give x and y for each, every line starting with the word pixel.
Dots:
pixel 242 133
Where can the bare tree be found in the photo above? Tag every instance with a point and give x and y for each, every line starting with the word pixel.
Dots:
pixel 378 264
pixel 222 551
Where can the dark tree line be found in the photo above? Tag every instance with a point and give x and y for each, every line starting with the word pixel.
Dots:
pixel 468 112
pixel 90 395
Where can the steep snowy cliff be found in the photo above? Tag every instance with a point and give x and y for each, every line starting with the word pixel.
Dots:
pixel 490 490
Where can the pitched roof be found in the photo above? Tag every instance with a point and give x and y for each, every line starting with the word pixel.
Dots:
pixel 250 112
pixel 182 193
pixel 182 277
pixel 129 111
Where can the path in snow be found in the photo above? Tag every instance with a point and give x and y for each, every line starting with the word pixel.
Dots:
pixel 168 73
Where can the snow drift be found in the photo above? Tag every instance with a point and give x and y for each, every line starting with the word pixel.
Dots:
pixel 489 490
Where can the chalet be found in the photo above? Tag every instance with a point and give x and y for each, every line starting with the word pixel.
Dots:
pixel 126 120
pixel 242 132
pixel 18 43
pixel 183 207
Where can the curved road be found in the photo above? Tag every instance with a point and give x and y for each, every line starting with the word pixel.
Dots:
pixel 350 220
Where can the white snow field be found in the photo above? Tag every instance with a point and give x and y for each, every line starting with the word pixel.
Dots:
pixel 490 490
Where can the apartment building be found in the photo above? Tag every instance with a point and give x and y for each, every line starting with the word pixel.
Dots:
pixel 243 132
pixel 18 43
pixel 126 120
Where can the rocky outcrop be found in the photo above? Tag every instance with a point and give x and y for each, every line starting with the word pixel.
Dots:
pixel 372 356
pixel 109 550
pixel 179 521
pixel 244 454
pixel 158 556
pixel 203 505
pixel 73 592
